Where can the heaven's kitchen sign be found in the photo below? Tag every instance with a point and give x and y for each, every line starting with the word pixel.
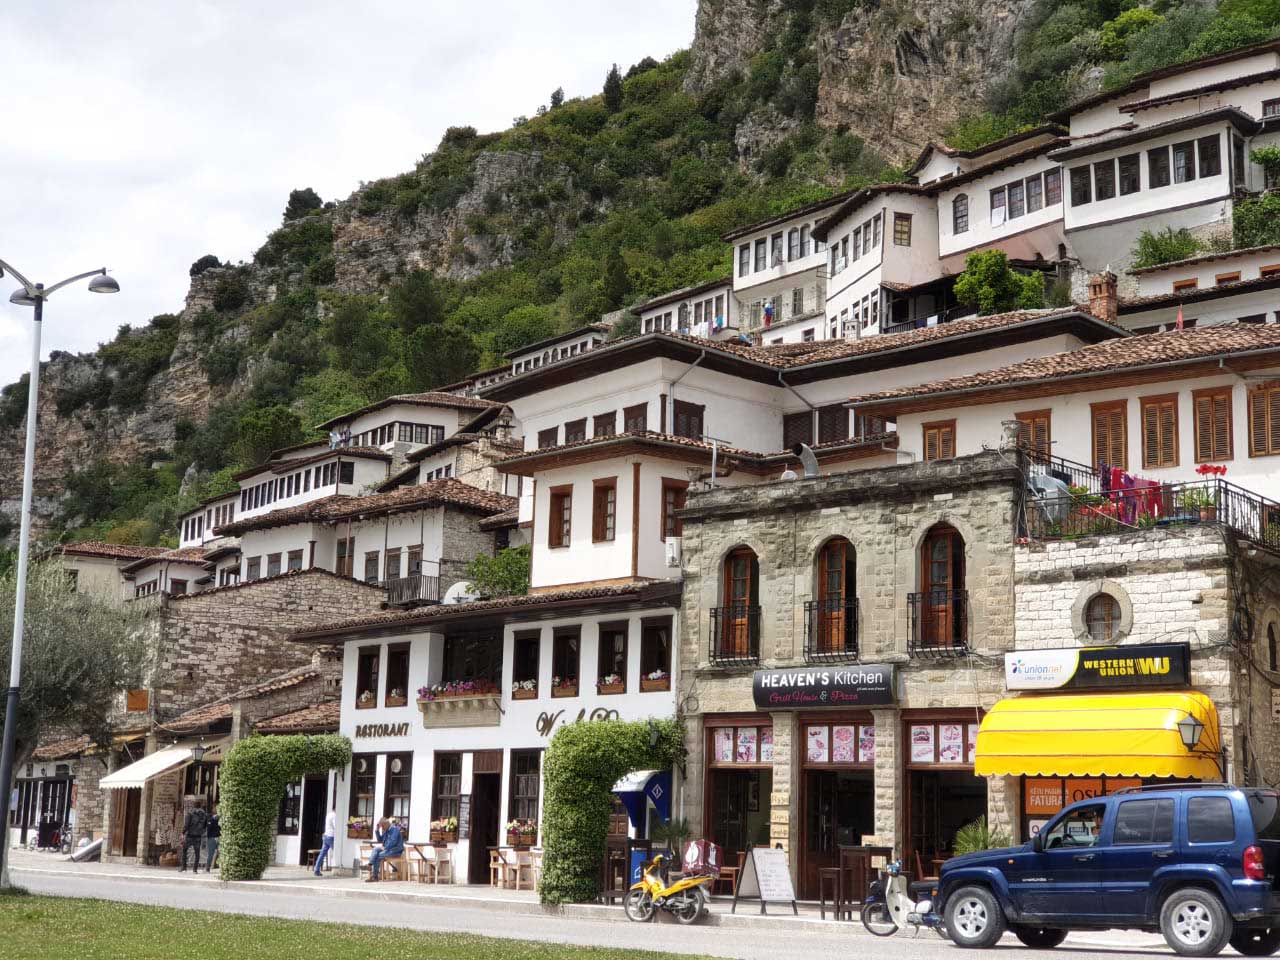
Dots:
pixel 857 685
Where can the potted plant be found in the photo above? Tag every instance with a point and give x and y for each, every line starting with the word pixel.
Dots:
pixel 611 683
pixel 396 697
pixel 457 688
pixel 675 834
pixel 524 690
pixel 365 700
pixel 976 836
pixel 359 828
pixel 654 681
pixel 522 833
pixel 1199 500
pixel 444 830
pixel 564 687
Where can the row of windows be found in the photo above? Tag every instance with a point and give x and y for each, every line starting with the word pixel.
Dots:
pixel 1179 163
pixel 611 675
pixel 397 793
pixel 769 252
pixel 1013 200
pixel 253 569
pixel 446 799
pixel 439 473
pixel 770 310
pixel 689 422
pixel 858 243
pixel 416 433
pixel 552 355
pixel 604 511
pixel 193 528
pixel 301 481
pixel 1267 272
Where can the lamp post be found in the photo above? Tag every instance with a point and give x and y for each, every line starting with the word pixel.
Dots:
pixel 28 295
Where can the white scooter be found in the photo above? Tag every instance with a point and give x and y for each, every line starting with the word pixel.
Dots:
pixel 889 906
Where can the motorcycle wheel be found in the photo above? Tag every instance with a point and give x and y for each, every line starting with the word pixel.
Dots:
pixel 638 906
pixel 690 907
pixel 877 919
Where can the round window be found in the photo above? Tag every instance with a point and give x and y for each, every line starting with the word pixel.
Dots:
pixel 1102 618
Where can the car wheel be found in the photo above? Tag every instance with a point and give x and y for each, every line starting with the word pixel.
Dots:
pixel 974 917
pixel 1256 941
pixel 1195 923
pixel 1039 938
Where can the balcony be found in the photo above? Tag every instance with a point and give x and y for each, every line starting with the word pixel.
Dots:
pixel 735 635
pixel 939 623
pixel 412 591
pixel 831 630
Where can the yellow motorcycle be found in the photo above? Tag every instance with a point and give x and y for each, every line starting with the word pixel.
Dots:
pixel 685 899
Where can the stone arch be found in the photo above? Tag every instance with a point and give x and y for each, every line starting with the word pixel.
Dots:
pixel 1091 589
pixel 1270 620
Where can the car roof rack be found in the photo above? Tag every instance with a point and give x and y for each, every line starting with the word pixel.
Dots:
pixel 1198 785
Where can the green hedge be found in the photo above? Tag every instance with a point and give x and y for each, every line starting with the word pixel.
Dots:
pixel 583 762
pixel 253 779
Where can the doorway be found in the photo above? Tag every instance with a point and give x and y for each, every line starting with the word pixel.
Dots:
pixel 942 584
pixel 942 801
pixel 739 810
pixel 486 812
pixel 124 822
pixel 315 806
pixel 839 810
pixel 53 811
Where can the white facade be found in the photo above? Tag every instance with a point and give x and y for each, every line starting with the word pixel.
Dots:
pixel 277 486
pixel 1202 274
pixel 558 348
pixel 709 311
pixel 195 528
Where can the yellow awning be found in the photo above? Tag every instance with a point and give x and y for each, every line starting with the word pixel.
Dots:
pixel 1116 734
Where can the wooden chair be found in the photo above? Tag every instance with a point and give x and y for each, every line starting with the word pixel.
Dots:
pixel 399 866
pixel 535 866
pixel 522 868
pixel 443 872
pixel 424 864
pixel 511 868
pixel 497 868
pixel 920 871
pixel 730 875
pixel 832 879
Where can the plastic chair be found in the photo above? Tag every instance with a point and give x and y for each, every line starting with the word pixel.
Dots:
pixel 443 872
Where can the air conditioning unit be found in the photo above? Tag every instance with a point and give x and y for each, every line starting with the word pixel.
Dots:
pixel 674 551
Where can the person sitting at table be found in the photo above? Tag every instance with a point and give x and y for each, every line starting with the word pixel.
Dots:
pixel 390 844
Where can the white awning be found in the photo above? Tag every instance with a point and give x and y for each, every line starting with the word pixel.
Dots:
pixel 633 782
pixel 148 768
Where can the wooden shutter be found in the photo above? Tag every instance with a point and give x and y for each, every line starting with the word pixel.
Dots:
pixel 1160 431
pixel 1036 432
pixel 1213 425
pixel 1264 421
pixel 689 417
pixel 939 441
pixel 833 423
pixel 797 428
pixel 1110 444
pixel 603 509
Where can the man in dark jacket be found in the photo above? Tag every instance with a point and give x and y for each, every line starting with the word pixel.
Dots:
pixel 213 834
pixel 193 827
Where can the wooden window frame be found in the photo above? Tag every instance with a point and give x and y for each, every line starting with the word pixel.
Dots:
pixel 637 411
pixel 604 515
pixel 551 433
pixel 937 425
pixel 1182 286
pixel 670 483
pixel 901 228
pixel 561 639
pixel 1108 406
pixel 607 420
pixel 1231 277
pixel 577 429
pixel 1269 270
pixel 683 409
pixel 1262 390
pixel 373 656
pixel 612 627
pixel 1210 393
pixel 445 804
pixel 1028 419
pixel 559 532
pixel 1159 400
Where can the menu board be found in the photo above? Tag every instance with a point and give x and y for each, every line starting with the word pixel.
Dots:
pixel 950 743
pixel 922 742
pixel 724 744
pixel 973 742
pixel 816 744
pixel 766 877
pixel 866 744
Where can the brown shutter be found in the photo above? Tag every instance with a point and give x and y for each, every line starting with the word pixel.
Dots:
pixel 797 428
pixel 1204 429
pixel 1035 433
pixel 1159 431
pixel 1257 423
pixel 930 444
pixel 948 442
pixel 1222 426
pixel 1109 435
pixel 1273 420
pixel 833 423
pixel 1213 425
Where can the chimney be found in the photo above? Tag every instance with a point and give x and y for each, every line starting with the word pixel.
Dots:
pixel 1102 295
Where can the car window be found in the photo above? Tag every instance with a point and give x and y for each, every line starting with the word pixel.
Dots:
pixel 1210 820
pixel 1264 806
pixel 1079 828
pixel 1144 821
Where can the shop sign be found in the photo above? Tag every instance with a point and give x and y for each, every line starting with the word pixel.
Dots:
pixel 860 685
pixel 546 722
pixel 1145 665
pixel 1043 796
pixel 364 730
pixel 464 816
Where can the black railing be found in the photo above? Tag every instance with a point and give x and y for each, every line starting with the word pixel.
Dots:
pixel 416 589
pixel 939 623
pixel 1246 514
pixel 1070 472
pixel 831 630
pixel 735 634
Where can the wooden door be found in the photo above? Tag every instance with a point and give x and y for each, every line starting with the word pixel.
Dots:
pixel 833 596
pixel 740 595
pixel 942 573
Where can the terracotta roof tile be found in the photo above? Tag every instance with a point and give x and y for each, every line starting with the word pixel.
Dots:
pixel 62 749
pixel 284 466
pixel 1130 353
pixel 321 716
pixel 1215 292
pixel 431 398
pixel 204 716
pixel 508 518
pixel 180 555
pixel 1246 80
pixel 221 709
pixel 787 215
pixel 112 551
pixel 671 296
pixel 1205 258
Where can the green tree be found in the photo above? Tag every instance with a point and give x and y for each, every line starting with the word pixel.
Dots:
pixel 437 355
pixel 505 574
pixel 1164 246
pixel 991 285
pixel 267 429
pixel 522 326
pixel 557 97
pixel 207 262
pixel 1114 39
pixel 1227 33
pixel 1268 158
pixel 613 90
pixel 616 282
pixel 1256 223
pixel 301 202
pixel 416 302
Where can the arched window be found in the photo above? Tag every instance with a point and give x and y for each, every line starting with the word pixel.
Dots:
pixel 960 214
pixel 940 619
pixel 1271 646
pixel 737 632
pixel 793 244
pixel 833 619
pixel 1102 618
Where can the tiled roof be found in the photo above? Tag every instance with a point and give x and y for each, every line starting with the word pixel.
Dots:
pixel 642 590
pixel 284 466
pixel 181 555
pixel 1084 146
pixel 673 295
pixel 508 518
pixel 1218 290
pixel 110 551
pixel 331 509
pixel 432 398
pixel 305 444
pixel 321 716
pixel 1048 128
pixel 221 709
pixel 1247 80
pixel 1205 258
pixel 557 338
pixel 1130 353
pixel 457 440
pixel 858 198
pixel 204 716
pixel 505 369
pixel 61 749
pixel 976 173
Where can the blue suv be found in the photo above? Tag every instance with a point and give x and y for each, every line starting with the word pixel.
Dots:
pixel 1198 862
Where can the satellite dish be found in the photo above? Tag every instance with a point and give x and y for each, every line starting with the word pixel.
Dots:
pixel 460 592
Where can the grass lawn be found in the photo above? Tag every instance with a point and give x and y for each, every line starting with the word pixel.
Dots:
pixel 54 928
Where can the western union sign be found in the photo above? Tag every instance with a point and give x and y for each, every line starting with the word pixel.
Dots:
pixel 1092 668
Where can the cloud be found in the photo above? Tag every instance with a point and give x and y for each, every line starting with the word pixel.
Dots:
pixel 147 134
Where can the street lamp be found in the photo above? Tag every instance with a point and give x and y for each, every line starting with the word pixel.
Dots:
pixel 1190 730
pixel 28 295
pixel 197 753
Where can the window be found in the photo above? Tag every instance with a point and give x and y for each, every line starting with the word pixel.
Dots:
pixel 1184 162
pixel 565 656
pixel 1034 431
pixel 364 773
pixel 1271 649
pixel 1110 435
pixel 833 423
pixel 875 226
pixel 367 677
pixel 397 675
pixel 1143 821
pixel 775 250
pixel 1080 187
pixel 1271 108
pixel 399 786
pixel 997 207
pixel 902 229
pixel 1102 618
pixel 549 437
pixel 866 238
pixel 575 431
pixel 655 654
pixel 611 666
pixel 761 253
pixel 804 240
pixel 807 336
pixel 1158 167
pixel 1213 424
pixel 635 419
pixel 295 560
pixel 525 781
pixel 347 472
pixel 371 566
pixel 344 556
pixel 1159 431
pixel 273 565
pixel 1270 271
pixel 744 259
pixel 857 245
pixel 560 522
pixel 1210 820
pixel 1264 421
pixel 1210 153
pixel 797 301
pixel 1232 277
pixel 604 509
pixel 605 424
pixel 673 496
pixel 253 568
pixel 1104 180
pixel 179 587
pixel 1256 319
pixel 1035 194
pixel 1053 186
pixel 1016 201
pixel 1079 828
pixel 939 441
pixel 793 244
pixel 524 667
pixel 960 214
pixel 444 799
pixel 1182 285
pixel 689 420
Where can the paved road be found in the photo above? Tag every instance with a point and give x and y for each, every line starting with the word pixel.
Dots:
pixel 778 943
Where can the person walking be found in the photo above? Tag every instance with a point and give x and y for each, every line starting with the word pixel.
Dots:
pixel 326 843
pixel 212 834
pixel 193 827
pixel 391 844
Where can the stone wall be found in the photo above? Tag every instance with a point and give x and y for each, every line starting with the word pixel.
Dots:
pixel 463 541
pixel 90 805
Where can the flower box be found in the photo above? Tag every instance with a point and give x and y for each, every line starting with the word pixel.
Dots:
pixel 456 711
pixel 653 686
pixel 396 701
pixel 605 689
pixel 523 694
pixel 521 839
pixel 565 690
pixel 440 837
pixel 359 831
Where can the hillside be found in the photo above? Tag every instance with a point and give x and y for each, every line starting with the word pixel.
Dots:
pixel 498 239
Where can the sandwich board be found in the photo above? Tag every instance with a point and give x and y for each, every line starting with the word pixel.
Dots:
pixel 765 877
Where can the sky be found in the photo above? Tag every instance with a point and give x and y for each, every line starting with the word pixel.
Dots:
pixel 140 136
